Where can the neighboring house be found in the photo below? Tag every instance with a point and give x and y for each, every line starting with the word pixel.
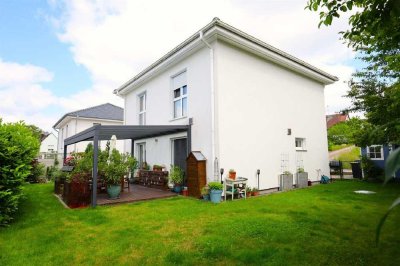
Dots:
pixel 379 154
pixel 77 121
pixel 334 119
pixel 251 106
pixel 48 144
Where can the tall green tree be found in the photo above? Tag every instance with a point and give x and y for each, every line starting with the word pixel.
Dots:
pixel 18 147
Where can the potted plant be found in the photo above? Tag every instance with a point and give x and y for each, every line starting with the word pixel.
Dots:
pixel 232 174
pixel 286 181
pixel 205 193
pixel 118 165
pixel 255 191
pixel 301 178
pixel 157 167
pixel 215 191
pixel 248 192
pixel 176 177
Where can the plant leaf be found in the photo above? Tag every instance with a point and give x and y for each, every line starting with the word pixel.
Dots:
pixel 383 219
pixel 392 164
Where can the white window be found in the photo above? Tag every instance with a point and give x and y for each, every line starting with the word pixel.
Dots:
pixel 142 109
pixel 179 96
pixel 375 152
pixel 300 144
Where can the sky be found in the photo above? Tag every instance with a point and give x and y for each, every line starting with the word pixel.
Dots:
pixel 60 56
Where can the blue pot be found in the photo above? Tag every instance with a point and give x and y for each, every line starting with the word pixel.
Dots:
pixel 177 188
pixel 206 197
pixel 113 191
pixel 215 196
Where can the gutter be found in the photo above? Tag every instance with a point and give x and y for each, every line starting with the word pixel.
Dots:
pixel 201 36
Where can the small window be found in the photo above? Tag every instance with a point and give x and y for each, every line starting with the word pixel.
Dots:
pixel 179 93
pixel 375 152
pixel 141 152
pixel 142 109
pixel 300 144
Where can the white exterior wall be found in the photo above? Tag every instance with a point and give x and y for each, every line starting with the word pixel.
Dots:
pixel 49 143
pixel 159 108
pixel 76 125
pixel 257 101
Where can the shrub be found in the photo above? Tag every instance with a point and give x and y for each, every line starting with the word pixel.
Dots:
pixel 176 175
pixel 118 165
pixel 215 186
pixel 18 146
pixel 37 172
pixel 371 171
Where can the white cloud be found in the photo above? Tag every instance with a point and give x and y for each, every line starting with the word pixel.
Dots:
pixel 22 95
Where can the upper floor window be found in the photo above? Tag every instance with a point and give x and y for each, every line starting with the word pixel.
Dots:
pixel 300 144
pixel 375 152
pixel 142 109
pixel 179 95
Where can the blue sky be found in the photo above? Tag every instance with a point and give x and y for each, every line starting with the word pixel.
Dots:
pixel 29 38
pixel 61 55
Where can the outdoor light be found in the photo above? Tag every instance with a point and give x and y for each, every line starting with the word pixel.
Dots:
pixel 289 131
pixel 222 172
pixel 258 178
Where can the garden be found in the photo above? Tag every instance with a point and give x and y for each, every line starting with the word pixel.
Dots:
pixel 320 225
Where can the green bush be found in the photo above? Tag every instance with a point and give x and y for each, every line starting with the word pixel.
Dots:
pixel 18 147
pixel 215 186
pixel 37 172
pixel 176 175
pixel 371 171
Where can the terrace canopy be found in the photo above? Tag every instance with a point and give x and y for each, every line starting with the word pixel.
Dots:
pixel 100 132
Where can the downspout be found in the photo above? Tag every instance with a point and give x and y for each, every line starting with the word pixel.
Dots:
pixel 212 102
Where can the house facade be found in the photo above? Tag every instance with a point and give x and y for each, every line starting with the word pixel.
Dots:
pixel 251 106
pixel 77 121
pixel 49 144
pixel 379 154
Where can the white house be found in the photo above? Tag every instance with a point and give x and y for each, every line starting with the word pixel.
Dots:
pixel 77 121
pixel 251 105
pixel 48 144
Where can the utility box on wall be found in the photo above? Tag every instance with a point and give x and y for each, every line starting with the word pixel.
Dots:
pixel 196 173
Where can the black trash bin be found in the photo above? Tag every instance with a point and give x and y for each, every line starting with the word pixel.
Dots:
pixel 356 169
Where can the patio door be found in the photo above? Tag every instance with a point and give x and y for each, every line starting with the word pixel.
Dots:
pixel 179 147
pixel 141 148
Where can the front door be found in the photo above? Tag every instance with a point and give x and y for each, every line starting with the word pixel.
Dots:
pixel 180 153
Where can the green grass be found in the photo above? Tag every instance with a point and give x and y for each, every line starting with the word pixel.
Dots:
pixel 339 147
pixel 352 155
pixel 322 225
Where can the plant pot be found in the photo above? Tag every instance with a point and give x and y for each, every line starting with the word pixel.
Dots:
pixel 232 175
pixel 309 183
pixel 255 193
pixel 177 188
pixel 206 197
pixel 215 196
pixel 248 194
pixel 113 191
pixel 301 180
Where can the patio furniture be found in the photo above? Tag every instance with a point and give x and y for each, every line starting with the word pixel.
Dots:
pixel 336 168
pixel 239 184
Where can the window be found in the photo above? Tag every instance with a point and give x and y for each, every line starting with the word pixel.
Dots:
pixel 142 109
pixel 300 144
pixel 375 152
pixel 180 96
pixel 141 154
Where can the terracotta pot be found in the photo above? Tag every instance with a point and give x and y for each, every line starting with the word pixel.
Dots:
pixel 248 194
pixel 185 193
pixel 255 193
pixel 232 175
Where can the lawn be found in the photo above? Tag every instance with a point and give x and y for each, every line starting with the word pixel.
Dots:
pixel 350 156
pixel 322 225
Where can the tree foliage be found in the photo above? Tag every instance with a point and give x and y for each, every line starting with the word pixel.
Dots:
pixel 18 147
pixel 345 132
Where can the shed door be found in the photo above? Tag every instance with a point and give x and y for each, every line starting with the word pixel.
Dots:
pixel 180 152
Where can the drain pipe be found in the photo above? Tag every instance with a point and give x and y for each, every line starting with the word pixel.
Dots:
pixel 212 101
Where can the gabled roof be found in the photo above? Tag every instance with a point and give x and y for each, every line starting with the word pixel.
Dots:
pixel 105 111
pixel 226 31
pixel 334 119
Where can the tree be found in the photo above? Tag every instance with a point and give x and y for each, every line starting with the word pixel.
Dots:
pixel 345 132
pixel 375 34
pixel 18 147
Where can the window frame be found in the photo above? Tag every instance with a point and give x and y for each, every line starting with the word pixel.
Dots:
pixel 382 157
pixel 138 146
pixel 142 112
pixel 303 144
pixel 180 100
